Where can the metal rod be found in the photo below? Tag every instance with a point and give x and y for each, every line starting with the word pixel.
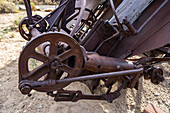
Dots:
pixel 153 59
pixel 98 76
pixel 83 2
pixel 28 9
pixel 113 36
pixel 148 20
pixel 116 44
pixel 114 13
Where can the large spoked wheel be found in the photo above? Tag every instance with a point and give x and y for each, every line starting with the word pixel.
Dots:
pixel 57 64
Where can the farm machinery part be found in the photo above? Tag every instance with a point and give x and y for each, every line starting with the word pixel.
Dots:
pixel 73 44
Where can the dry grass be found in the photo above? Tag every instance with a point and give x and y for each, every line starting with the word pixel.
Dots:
pixel 8 7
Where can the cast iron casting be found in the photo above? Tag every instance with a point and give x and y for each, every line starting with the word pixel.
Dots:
pixel 78 43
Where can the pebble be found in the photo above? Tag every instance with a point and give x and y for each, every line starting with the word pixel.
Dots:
pixel 159 102
pixel 133 103
pixel 40 106
pixel 0 85
pixel 49 9
pixel 167 103
pixel 22 106
pixel 156 94
pixel 22 8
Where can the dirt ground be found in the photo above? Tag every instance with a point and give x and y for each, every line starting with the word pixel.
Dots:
pixel 12 101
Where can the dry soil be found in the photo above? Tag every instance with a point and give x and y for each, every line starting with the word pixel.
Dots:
pixel 12 101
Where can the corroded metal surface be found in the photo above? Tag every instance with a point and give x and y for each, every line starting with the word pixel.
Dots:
pixel 92 49
pixel 52 63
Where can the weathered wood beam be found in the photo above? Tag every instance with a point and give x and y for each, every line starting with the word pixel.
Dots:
pixel 131 9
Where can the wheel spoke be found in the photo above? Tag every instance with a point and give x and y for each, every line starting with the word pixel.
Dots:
pixel 38 72
pixel 52 74
pixel 59 73
pixel 53 48
pixel 39 56
pixel 66 68
pixel 66 54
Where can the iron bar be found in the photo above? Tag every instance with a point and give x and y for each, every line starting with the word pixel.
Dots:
pixel 80 17
pixel 114 13
pixel 113 36
pixel 148 20
pixel 29 10
pixel 153 59
pixel 116 44
pixel 98 76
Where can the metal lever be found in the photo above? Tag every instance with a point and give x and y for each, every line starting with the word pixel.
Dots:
pixel 74 96
pixel 29 10
pixel 112 96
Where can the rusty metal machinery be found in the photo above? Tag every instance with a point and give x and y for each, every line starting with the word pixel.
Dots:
pixel 79 43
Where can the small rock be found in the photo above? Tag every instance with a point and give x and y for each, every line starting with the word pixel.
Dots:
pixel 49 10
pixel 38 8
pixel 167 103
pixel 0 85
pixel 22 106
pixel 40 106
pixel 13 104
pixel 133 103
pixel 156 94
pixel 159 102
pixel 22 8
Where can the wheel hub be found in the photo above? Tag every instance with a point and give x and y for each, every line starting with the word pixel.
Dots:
pixel 55 64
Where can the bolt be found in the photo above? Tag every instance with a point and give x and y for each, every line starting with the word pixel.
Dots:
pixel 118 67
pixel 25 90
pixel 54 64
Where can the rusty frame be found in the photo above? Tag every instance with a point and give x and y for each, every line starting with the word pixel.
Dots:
pixel 105 61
